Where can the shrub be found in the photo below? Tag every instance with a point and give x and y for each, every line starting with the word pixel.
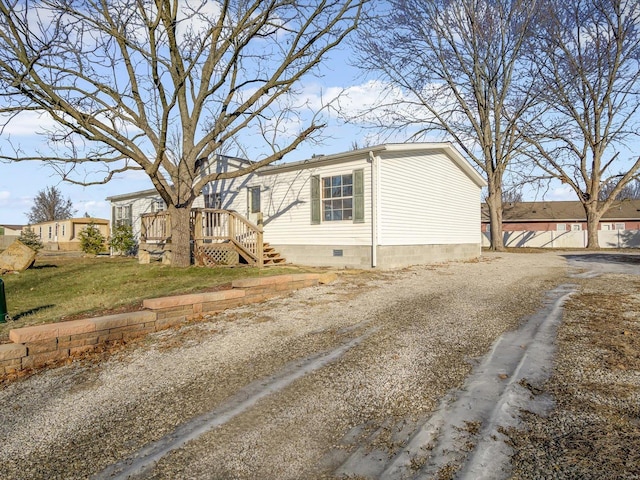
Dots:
pixel 31 239
pixel 122 240
pixel 91 240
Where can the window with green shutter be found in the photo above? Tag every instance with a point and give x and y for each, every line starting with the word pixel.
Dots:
pixel 339 198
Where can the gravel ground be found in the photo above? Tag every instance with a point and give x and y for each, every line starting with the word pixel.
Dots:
pixel 286 389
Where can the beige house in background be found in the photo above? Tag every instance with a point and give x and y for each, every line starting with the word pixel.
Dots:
pixel 8 234
pixel 10 230
pixel 64 235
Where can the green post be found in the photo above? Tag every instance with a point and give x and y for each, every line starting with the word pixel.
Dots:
pixel 4 315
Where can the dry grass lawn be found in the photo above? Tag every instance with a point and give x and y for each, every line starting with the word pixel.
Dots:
pixel 63 287
pixel 594 430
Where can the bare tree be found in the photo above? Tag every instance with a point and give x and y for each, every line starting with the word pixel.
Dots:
pixel 512 195
pixel 631 191
pixel 588 54
pixel 162 85
pixel 460 66
pixel 48 205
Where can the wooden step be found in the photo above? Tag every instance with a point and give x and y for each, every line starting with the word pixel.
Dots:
pixel 270 256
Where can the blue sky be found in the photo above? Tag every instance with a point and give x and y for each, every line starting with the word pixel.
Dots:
pixel 20 182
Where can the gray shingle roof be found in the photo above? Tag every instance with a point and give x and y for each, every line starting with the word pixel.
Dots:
pixel 562 211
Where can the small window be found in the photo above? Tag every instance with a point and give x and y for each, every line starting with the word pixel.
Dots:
pixel 63 229
pixel 123 215
pixel 620 226
pixel 576 227
pixel 337 198
pixel 254 200
pixel 156 206
pixel 50 232
pixel 213 200
pixel 561 227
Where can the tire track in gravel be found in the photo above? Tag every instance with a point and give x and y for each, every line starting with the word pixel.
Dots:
pixel 143 460
pixel 464 433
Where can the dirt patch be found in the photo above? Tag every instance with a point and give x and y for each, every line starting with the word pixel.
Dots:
pixel 594 429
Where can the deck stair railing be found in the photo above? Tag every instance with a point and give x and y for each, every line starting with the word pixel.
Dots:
pixel 217 235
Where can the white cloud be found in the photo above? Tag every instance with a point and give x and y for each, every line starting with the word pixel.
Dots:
pixel 5 197
pixel 26 123
pixel 198 23
pixel 562 193
pixel 13 208
pixel 95 208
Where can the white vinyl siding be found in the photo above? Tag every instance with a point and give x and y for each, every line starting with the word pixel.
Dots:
pixel 427 199
pixel 286 205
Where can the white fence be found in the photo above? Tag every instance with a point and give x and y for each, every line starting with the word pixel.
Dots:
pixel 569 239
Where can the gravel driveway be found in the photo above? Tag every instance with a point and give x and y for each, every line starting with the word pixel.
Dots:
pixel 325 383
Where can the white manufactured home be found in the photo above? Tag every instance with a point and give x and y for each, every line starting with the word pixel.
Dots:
pixel 387 206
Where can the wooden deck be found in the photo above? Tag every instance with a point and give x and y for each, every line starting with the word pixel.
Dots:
pixel 220 237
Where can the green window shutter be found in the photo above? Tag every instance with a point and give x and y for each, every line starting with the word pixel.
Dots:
pixel 358 196
pixel 315 200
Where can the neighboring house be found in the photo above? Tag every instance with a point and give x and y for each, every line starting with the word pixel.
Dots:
pixel 386 206
pixel 11 230
pixel 9 234
pixel 64 235
pixel 563 224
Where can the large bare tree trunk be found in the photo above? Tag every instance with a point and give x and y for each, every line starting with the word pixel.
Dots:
pixel 180 218
pixel 593 221
pixel 494 204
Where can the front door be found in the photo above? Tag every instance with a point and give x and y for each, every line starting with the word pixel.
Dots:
pixel 254 212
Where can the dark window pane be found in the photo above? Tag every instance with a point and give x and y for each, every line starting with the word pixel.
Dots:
pixel 347 190
pixel 336 181
pixel 326 182
pixel 326 193
pixel 347 203
pixel 326 207
pixel 347 214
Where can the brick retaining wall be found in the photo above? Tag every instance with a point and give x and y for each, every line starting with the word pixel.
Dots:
pixel 41 345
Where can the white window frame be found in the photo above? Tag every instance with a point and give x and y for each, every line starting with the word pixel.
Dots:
pixel 343 199
pixel 620 226
pixel 124 215
pixel 561 227
pixel 157 206
pixel 576 227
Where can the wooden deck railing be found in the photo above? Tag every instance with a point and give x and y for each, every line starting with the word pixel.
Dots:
pixel 218 226
pixel 155 227
pixel 210 226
